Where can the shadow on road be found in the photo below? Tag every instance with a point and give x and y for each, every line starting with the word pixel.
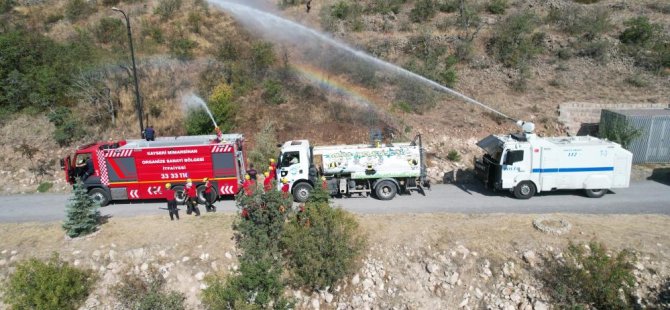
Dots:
pixel 660 175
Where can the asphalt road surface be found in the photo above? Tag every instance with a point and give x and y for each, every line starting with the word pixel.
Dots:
pixel 643 197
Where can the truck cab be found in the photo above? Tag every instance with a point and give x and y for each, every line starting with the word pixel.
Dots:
pixel 295 164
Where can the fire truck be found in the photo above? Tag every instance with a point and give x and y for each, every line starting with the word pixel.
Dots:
pixel 137 170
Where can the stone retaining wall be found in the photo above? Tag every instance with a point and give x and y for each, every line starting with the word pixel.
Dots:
pixel 580 117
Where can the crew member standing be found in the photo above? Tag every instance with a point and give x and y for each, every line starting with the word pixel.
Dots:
pixel 192 204
pixel 267 183
pixel 171 202
pixel 273 168
pixel 252 172
pixel 248 185
pixel 324 183
pixel 149 133
pixel 209 197
pixel 284 187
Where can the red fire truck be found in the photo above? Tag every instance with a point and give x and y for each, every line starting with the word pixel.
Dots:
pixel 138 170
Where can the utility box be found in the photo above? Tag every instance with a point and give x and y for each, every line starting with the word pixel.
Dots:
pixel 653 145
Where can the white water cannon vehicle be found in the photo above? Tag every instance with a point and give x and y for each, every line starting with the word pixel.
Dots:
pixel 526 164
pixel 366 170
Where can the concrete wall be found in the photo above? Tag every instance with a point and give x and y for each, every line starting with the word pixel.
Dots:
pixel 586 116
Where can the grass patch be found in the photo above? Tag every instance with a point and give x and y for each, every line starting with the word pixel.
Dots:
pixel 44 187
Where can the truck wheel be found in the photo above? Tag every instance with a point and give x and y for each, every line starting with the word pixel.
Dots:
pixel 301 192
pixel 524 190
pixel 201 194
pixel 179 194
pixel 595 193
pixel 99 195
pixel 386 190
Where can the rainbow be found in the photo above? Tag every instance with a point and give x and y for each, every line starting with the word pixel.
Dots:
pixel 332 84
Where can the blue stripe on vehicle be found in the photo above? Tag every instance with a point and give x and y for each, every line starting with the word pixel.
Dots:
pixel 586 169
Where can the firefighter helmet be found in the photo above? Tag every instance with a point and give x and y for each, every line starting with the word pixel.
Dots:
pixel 168 185
pixel 266 174
pixel 284 180
pixel 272 160
pixel 205 179
pixel 323 178
pixel 188 181
pixel 247 177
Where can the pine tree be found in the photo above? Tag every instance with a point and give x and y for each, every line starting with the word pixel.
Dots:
pixel 82 213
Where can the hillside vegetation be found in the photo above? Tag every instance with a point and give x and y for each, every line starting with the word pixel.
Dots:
pixel 66 70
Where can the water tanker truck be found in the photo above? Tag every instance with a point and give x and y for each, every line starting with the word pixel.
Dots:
pixel 379 170
pixel 526 164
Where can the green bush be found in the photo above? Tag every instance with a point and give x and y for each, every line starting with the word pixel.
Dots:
pixel 47 285
pixel 182 48
pixel 288 3
pixel 590 278
pixel 82 214
pixel 76 9
pixel 424 10
pixel 341 10
pixel 110 30
pixel 597 49
pixel 619 131
pixel 448 6
pixel 637 81
pixel 265 146
pixel 262 57
pixel 321 245
pixel 453 156
pixel 639 31
pixel 385 6
pixel 273 92
pixel 147 292
pixel 197 122
pixel 44 187
pixel 515 41
pixel 6 6
pixel 194 20
pixel 497 6
pixel 167 8
pixel 449 76
pixel 589 23
pixel 403 106
pixel 69 127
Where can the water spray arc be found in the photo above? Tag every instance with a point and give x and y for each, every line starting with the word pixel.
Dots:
pixel 191 100
pixel 262 18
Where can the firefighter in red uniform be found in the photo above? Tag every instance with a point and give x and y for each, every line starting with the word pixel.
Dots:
pixel 248 185
pixel 171 202
pixel 324 183
pixel 192 202
pixel 284 187
pixel 267 182
pixel 209 196
pixel 273 168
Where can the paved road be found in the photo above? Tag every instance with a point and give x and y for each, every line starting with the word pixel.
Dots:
pixel 644 197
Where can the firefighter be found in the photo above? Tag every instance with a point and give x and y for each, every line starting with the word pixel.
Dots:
pixel 192 200
pixel 248 185
pixel 267 183
pixel 171 202
pixel 273 168
pixel 149 133
pixel 89 169
pixel 284 187
pixel 252 172
pixel 219 134
pixel 209 197
pixel 324 183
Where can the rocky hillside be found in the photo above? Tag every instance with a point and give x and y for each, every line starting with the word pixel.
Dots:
pixel 523 58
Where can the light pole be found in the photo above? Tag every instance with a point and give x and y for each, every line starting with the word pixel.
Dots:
pixel 137 85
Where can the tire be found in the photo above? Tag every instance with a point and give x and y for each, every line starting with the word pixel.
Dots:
pixel 200 190
pixel 386 190
pixel 595 193
pixel 301 192
pixel 100 196
pixel 524 190
pixel 179 195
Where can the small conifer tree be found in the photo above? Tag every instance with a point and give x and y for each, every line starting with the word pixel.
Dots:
pixel 82 213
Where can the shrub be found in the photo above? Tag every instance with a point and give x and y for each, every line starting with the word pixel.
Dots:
pixel 639 31
pixel 637 81
pixel 449 76
pixel 47 285
pixel 194 20
pixel 448 6
pixel 182 48
pixel 497 6
pixel 515 41
pixel 424 10
pixel 273 92
pixel 321 245
pixel 453 156
pixel 586 1
pixel 288 3
pixel 597 50
pixel 590 277
pixel 68 127
pixel 223 110
pixel 619 131
pixel 110 30
pixel 147 292
pixel 76 9
pixel 265 146
pixel 341 10
pixel 167 8
pixel 83 216
pixel 6 5
pixel 262 57
pixel 589 23
pixel 415 95
pixel 44 187
pixel 385 6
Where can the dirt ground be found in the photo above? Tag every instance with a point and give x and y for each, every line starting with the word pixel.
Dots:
pixel 192 246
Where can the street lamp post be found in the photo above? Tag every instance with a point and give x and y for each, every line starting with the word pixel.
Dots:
pixel 137 85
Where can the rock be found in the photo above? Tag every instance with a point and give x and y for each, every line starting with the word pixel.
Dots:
pixel 639 266
pixel 112 255
pixel 463 251
pixel 478 293
pixel 530 258
pixel 185 259
pixel 540 305
pixel 75 253
pixel 76 262
pixel 4 252
pixel 432 267
pixel 203 286
pixel 162 253
pixel 367 284
pixel 515 297
pixel 508 269
pixel 3 262
pixel 297 294
pixel 199 276
pixel 454 278
pixel 355 280
pixel 463 303
pixel 328 297
pixel 96 255
pixel 13 252
pixel 228 256
pixel 315 304
pixel 214 266
pixel 144 267
pixel 204 257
